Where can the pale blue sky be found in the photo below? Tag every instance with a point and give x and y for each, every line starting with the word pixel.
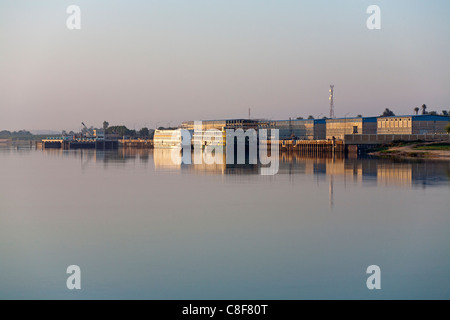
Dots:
pixel 147 62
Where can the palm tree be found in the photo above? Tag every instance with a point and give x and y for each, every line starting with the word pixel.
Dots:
pixel 416 110
pixel 424 109
pixel 387 113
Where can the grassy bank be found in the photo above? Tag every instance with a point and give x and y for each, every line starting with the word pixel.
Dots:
pixel 414 150
pixel 434 146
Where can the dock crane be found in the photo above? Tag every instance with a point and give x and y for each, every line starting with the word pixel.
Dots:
pixel 88 132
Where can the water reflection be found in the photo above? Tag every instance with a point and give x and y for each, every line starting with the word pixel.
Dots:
pixel 163 159
pixel 157 227
pixel 381 172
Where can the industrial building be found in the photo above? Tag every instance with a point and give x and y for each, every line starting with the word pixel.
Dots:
pixel 413 124
pixel 298 129
pixel 296 132
pixel 222 125
pixel 338 128
pixel 213 132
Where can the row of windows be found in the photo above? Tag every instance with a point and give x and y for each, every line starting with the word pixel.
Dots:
pixel 342 126
pixel 394 124
pixel 395 119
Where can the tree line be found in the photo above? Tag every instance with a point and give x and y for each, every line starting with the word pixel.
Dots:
pixel 5 134
pixel 423 110
pixel 122 130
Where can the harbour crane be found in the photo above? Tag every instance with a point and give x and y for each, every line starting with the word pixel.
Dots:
pixel 88 132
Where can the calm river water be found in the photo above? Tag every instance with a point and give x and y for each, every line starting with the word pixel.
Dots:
pixel 140 227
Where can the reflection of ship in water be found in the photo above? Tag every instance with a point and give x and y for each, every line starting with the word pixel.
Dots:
pixel 168 159
pixel 162 159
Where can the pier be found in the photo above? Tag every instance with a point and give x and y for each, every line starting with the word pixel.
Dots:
pixel 136 143
pixel 352 143
pixel 311 147
pixel 84 143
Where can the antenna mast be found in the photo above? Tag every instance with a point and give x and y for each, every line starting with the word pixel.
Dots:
pixel 331 101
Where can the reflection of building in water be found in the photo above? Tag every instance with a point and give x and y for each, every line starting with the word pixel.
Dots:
pixel 345 168
pixel 396 174
pixel 430 172
pixel 331 192
pixel 360 170
pixel 386 172
pixel 337 169
pixel 292 163
pixel 298 163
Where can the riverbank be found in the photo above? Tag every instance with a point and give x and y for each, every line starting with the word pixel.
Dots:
pixel 415 150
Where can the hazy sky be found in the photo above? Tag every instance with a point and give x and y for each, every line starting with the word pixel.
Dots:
pixel 165 61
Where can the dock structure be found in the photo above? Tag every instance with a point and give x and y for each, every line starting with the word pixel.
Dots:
pixel 316 147
pixel 136 143
pixel 354 143
pixel 82 143
pixel 5 142
pixel 311 147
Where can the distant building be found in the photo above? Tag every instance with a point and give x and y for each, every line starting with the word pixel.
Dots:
pixel 338 128
pixel 297 129
pixel 113 136
pixel 99 134
pixel 413 124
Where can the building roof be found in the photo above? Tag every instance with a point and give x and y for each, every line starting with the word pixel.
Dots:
pixel 224 120
pixel 364 119
pixel 295 120
pixel 424 117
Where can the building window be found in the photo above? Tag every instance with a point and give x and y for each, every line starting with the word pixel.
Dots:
pixel 355 129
